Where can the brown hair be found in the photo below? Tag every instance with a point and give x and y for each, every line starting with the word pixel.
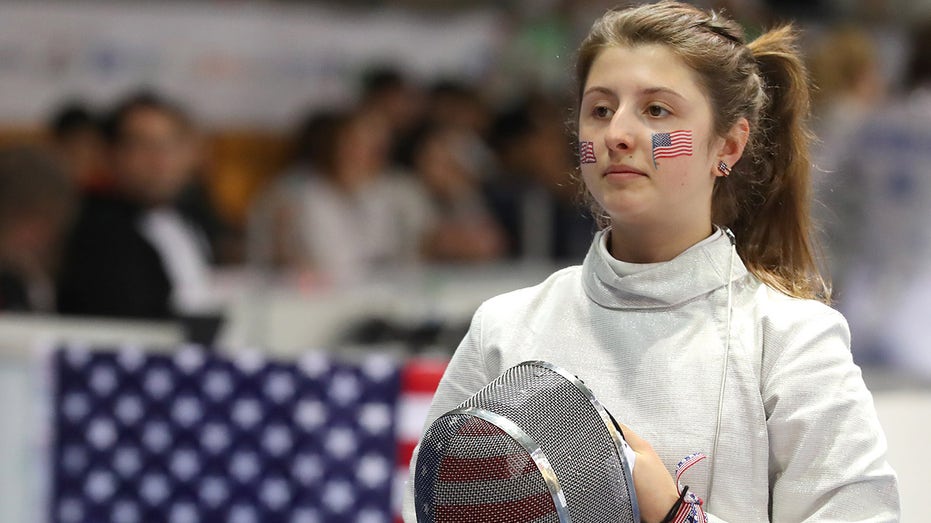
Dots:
pixel 766 199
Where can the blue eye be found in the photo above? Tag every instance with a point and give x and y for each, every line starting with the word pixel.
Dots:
pixel 657 111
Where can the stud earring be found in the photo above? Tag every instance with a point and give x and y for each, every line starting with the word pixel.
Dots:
pixel 725 170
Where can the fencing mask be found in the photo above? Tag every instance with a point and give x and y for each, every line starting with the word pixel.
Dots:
pixel 535 446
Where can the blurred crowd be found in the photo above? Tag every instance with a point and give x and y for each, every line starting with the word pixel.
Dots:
pixel 414 174
pixel 112 216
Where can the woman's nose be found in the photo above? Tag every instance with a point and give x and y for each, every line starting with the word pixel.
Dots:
pixel 621 132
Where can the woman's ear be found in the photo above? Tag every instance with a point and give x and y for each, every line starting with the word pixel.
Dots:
pixel 732 148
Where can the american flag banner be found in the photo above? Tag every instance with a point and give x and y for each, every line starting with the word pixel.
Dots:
pixel 197 437
pixel 587 152
pixel 672 144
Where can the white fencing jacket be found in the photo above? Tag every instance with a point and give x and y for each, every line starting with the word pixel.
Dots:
pixel 799 439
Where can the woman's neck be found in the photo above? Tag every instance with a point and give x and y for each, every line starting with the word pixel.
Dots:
pixel 652 244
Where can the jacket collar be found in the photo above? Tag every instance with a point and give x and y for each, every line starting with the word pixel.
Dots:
pixel 694 273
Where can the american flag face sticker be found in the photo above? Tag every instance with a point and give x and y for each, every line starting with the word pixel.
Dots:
pixel 587 152
pixel 671 145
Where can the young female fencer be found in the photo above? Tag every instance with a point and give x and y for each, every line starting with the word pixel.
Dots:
pixel 698 317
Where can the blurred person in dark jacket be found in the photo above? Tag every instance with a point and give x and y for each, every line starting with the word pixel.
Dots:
pixel 77 138
pixel 36 203
pixel 132 253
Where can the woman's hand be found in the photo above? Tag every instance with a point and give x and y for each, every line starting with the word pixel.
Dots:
pixel 656 490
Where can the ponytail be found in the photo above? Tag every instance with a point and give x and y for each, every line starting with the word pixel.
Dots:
pixel 773 236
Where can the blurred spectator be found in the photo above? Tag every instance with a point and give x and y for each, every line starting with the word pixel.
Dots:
pixel 36 203
pixel 388 94
pixel 845 69
pixel 197 203
pixel 535 196
pixel 341 213
pixel 131 252
pixel 460 106
pixel 461 227
pixel 77 138
pixel 888 292
pixel 273 235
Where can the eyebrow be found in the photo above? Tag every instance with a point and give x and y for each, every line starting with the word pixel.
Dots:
pixel 647 91
pixel 598 89
pixel 664 90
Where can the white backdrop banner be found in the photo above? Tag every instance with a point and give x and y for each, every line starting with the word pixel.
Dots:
pixel 234 64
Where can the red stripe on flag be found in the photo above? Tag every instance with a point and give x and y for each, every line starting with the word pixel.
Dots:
pixel 405 452
pixel 422 376
pixel 517 511
pixel 682 514
pixel 478 427
pixel 673 154
pixel 454 469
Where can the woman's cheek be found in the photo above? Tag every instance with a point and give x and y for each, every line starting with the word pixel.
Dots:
pixel 676 170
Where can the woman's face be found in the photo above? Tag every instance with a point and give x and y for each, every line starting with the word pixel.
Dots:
pixel 639 174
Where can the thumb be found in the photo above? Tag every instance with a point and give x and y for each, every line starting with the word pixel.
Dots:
pixel 640 445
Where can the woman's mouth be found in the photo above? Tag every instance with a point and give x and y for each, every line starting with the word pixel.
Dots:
pixel 623 172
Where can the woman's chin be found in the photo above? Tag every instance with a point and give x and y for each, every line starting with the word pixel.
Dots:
pixel 626 210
